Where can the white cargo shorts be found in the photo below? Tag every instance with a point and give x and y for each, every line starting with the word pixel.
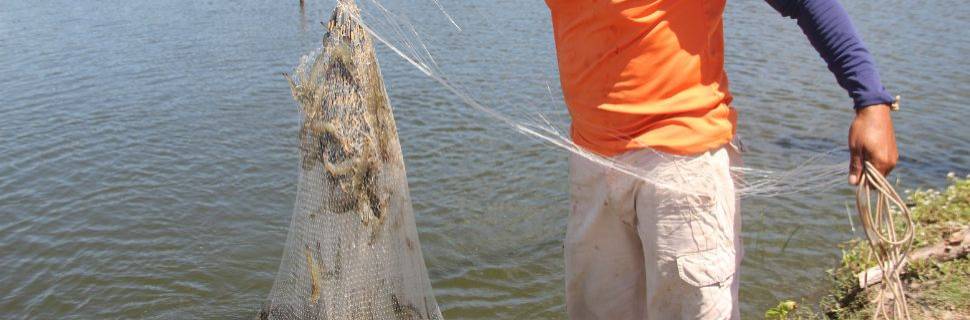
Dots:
pixel 667 248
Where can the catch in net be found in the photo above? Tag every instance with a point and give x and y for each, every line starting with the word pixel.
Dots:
pixel 352 251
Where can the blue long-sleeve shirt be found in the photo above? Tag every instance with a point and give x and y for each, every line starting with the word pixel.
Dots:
pixel 831 32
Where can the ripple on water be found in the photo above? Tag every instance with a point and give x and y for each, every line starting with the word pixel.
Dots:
pixel 148 164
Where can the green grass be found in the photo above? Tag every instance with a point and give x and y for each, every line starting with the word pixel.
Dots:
pixel 937 289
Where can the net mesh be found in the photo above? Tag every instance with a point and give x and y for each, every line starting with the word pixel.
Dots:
pixel 352 251
pixel 412 31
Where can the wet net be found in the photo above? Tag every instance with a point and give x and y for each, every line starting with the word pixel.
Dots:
pixel 352 251
pixel 429 38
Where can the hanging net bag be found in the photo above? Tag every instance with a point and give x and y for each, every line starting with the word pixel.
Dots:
pixel 352 251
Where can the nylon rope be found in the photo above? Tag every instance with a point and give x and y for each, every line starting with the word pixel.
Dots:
pixel 890 239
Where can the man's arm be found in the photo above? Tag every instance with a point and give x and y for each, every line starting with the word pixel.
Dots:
pixel 831 32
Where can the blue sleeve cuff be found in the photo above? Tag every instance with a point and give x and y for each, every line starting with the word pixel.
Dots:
pixel 868 98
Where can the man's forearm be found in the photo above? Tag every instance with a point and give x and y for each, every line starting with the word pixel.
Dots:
pixel 831 32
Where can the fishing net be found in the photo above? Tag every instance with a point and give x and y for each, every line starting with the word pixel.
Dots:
pixel 352 251
pixel 446 46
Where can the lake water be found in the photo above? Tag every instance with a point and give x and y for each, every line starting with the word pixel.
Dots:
pixel 148 153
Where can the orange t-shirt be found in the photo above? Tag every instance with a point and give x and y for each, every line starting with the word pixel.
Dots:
pixel 644 74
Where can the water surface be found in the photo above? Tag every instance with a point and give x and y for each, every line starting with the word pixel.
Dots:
pixel 148 150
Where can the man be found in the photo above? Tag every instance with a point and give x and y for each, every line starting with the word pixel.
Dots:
pixel 645 84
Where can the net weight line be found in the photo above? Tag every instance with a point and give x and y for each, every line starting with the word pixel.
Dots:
pixel 889 245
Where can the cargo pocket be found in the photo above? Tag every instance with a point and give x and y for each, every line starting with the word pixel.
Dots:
pixel 706 268
pixel 685 223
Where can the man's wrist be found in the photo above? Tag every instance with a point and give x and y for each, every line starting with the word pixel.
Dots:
pixel 870 94
pixel 874 108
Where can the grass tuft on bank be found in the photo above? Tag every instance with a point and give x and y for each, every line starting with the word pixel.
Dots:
pixel 935 290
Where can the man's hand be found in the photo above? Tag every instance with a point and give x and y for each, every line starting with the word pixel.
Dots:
pixel 871 138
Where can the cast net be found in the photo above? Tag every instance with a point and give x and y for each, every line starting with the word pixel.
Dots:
pixel 352 251
pixel 489 79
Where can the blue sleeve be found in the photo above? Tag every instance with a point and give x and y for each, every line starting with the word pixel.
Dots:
pixel 827 25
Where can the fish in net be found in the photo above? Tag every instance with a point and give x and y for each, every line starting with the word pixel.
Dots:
pixel 352 251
